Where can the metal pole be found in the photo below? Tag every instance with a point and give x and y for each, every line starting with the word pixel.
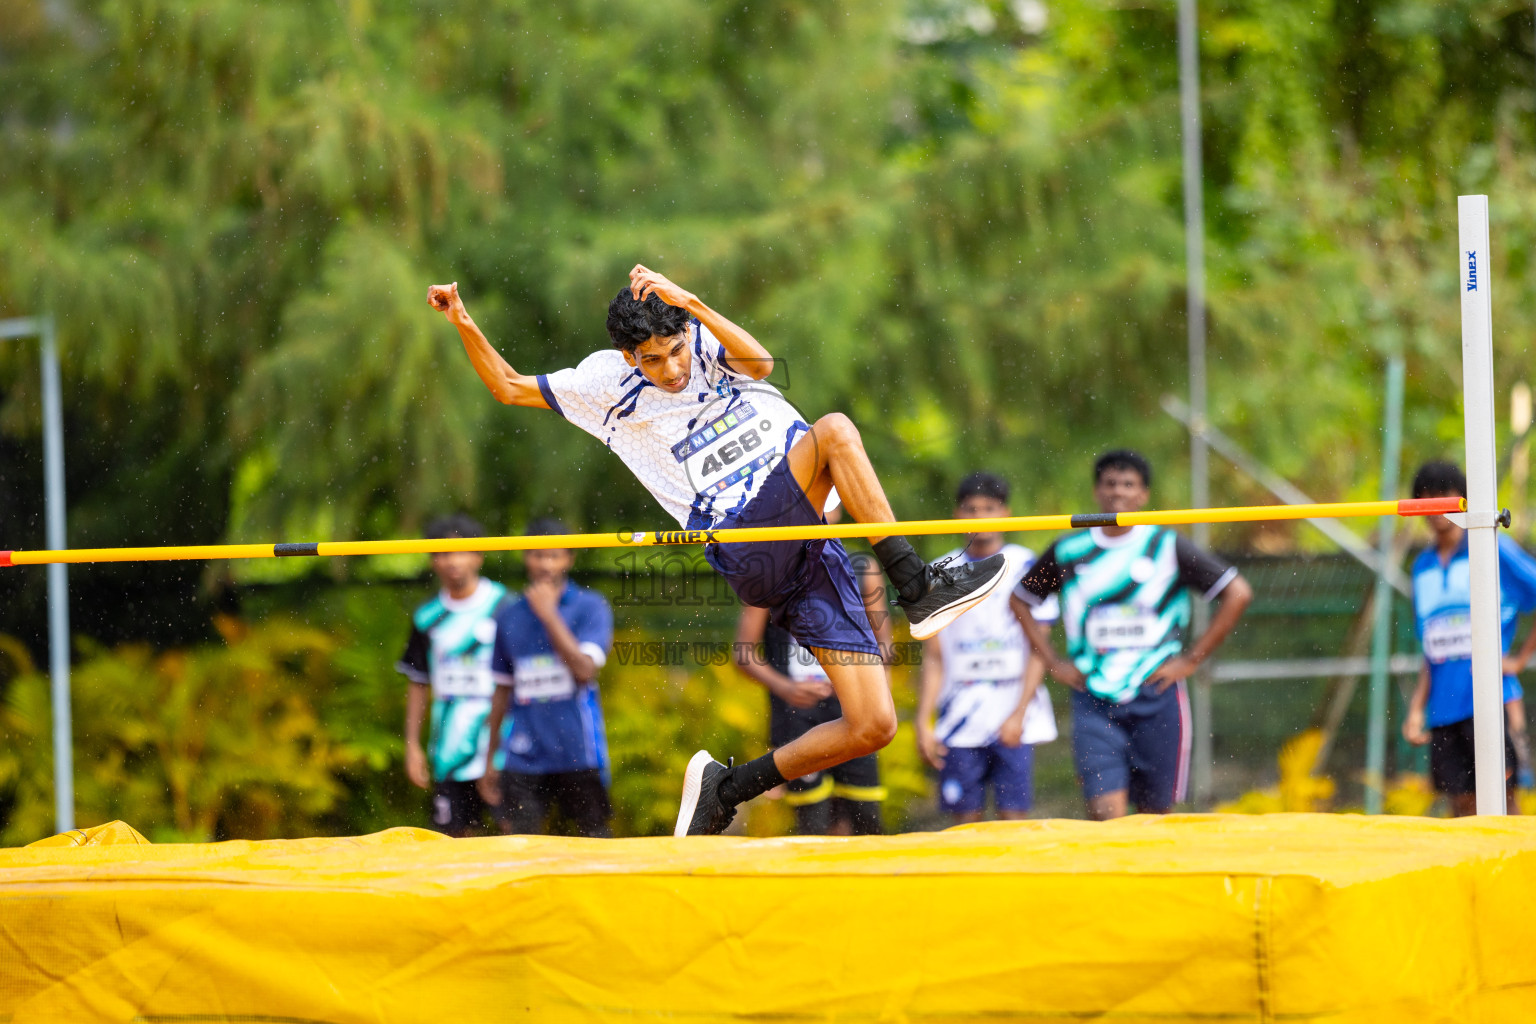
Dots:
pixel 58 582
pixel 1194 268
pixel 1381 639
pixel 1482 498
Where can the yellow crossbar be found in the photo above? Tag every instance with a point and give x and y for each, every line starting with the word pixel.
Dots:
pixel 659 538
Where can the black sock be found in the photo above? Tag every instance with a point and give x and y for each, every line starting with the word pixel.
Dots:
pixel 745 781
pixel 903 566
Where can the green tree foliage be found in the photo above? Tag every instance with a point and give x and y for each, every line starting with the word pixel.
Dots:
pixel 189 745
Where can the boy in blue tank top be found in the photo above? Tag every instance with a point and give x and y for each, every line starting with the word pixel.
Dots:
pixel 1440 711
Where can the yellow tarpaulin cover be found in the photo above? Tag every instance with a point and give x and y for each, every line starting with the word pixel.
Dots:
pixel 1200 918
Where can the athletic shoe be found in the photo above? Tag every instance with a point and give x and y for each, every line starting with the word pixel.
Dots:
pixel 702 813
pixel 952 591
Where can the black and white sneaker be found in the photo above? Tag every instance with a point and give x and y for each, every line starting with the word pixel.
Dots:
pixel 952 591
pixel 702 813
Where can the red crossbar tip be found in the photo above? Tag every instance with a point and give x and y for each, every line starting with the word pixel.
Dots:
pixel 5 558
pixel 1431 506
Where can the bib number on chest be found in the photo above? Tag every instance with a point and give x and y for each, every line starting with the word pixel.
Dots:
pixel 542 677
pixel 463 677
pixel 1121 627
pixel 1448 638
pixel 729 448
pixel 993 664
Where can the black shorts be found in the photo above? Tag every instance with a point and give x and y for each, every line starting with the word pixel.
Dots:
pixel 808 586
pixel 457 809
pixel 857 780
pixel 526 801
pixel 1453 758
pixel 787 723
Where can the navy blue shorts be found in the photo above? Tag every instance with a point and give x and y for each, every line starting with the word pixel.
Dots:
pixel 1141 746
pixel 967 770
pixel 808 586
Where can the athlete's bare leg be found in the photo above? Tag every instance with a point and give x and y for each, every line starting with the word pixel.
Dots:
pixel 832 454
pixel 868 722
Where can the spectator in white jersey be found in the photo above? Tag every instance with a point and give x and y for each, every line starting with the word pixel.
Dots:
pixel 981 683
pixel 681 398
pixel 845 799
pixel 1125 605
pixel 448 661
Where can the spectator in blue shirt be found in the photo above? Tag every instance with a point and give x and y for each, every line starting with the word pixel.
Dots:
pixel 1440 712
pixel 548 650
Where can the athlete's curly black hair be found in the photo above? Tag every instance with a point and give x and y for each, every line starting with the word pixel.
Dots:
pixel 632 323
pixel 1438 479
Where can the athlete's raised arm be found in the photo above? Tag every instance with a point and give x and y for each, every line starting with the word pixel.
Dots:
pixel 742 350
pixel 509 386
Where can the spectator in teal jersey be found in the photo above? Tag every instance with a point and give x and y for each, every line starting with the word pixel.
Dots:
pixel 448 661
pixel 1126 606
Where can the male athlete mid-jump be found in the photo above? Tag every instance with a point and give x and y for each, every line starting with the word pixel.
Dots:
pixel 681 399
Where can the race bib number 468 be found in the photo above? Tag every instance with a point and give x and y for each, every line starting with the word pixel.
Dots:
pixel 729 448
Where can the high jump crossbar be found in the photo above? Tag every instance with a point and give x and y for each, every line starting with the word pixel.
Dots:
pixel 742 535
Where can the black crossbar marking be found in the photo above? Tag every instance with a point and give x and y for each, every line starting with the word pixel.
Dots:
pixel 290 550
pixel 1094 519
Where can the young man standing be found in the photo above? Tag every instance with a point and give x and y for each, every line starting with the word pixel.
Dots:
pixel 845 799
pixel 1440 711
pixel 681 399
pixel 1125 605
pixel 549 647
pixel 448 661
pixel 980 680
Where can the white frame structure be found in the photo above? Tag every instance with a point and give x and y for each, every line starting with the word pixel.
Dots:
pixel 42 327
pixel 1482 515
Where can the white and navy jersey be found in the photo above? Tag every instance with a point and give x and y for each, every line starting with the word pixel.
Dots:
pixel 450 649
pixel 1124 600
pixel 704 451
pixel 985 653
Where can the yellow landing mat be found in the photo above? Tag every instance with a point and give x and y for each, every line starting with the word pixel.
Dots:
pixel 1184 918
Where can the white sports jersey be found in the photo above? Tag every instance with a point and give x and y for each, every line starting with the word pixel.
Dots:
pixel 704 451
pixel 985 652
